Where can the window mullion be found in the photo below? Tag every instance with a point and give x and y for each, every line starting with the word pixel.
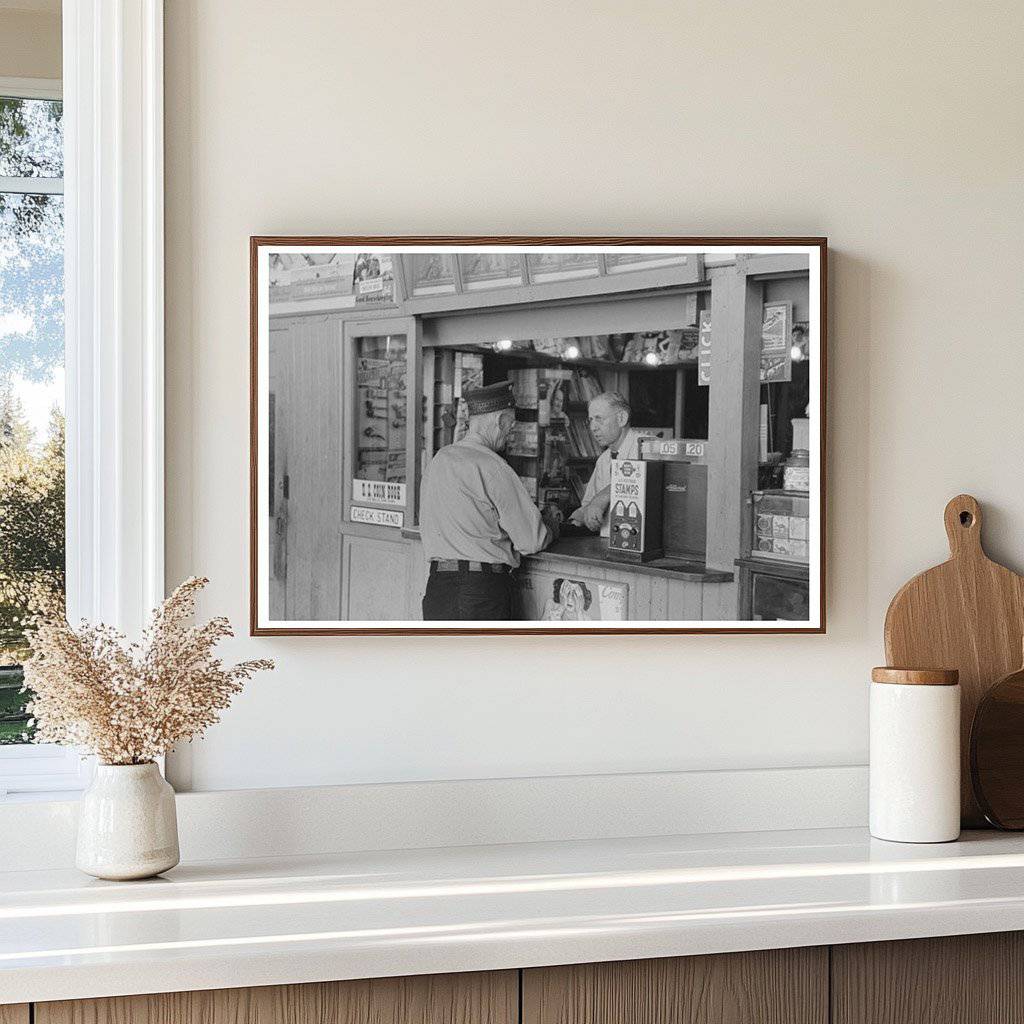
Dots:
pixel 32 186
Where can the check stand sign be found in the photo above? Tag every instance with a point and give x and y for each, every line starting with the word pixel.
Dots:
pixel 377 516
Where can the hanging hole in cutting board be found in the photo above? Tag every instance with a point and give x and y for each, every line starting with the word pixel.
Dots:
pixel 966 518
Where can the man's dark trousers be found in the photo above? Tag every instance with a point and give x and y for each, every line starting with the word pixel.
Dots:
pixel 468 595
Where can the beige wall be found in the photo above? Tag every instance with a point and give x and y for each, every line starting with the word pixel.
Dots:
pixel 30 40
pixel 895 129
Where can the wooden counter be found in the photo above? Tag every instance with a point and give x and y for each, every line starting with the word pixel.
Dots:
pixel 666 588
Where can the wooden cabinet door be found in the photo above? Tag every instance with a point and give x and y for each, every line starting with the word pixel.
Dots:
pixel 14 1013
pixel 479 998
pixel 779 986
pixel 961 979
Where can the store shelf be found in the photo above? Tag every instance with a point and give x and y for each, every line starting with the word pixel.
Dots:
pixel 542 359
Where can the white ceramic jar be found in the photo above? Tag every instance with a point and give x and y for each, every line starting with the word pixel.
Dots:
pixel 915 755
pixel 127 824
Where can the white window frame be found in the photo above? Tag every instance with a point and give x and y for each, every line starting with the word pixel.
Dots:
pixel 114 327
pixel 39 767
pixel 31 89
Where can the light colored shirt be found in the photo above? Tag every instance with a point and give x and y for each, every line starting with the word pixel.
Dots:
pixel 474 507
pixel 628 448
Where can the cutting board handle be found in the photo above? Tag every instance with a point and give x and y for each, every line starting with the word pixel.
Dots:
pixel 963 526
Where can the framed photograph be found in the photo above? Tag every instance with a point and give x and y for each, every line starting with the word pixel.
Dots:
pixel 537 435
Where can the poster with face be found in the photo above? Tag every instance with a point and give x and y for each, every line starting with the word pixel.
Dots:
pixel 555 597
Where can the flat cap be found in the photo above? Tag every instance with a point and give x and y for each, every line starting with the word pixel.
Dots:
pixel 491 398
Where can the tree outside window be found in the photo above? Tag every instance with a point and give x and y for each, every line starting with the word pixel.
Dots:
pixel 31 385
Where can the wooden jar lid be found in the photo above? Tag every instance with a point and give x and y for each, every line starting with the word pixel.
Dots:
pixel 916 676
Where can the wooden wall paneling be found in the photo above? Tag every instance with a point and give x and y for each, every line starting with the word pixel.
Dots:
pixel 781 986
pixel 659 597
pixel 685 600
pixel 376 578
pixel 416 577
pixel 475 998
pixel 277 370
pixel 960 979
pixel 307 380
pixel 640 598
pixel 321 465
pixel 720 601
pixel 14 1013
pixel 300 430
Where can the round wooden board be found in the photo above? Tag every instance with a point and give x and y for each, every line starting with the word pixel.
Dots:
pixel 997 753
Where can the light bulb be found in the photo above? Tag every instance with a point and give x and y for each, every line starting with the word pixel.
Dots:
pixel 572 352
pixel 796 353
pixel 651 359
pixel 504 345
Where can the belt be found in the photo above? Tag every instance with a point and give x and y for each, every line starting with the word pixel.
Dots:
pixel 461 565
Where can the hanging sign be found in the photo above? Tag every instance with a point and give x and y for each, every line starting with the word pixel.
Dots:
pixel 675 450
pixel 377 516
pixel 704 349
pixel 378 492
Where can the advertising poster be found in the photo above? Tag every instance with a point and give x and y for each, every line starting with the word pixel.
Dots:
pixel 490 270
pixel 552 597
pixel 776 360
pixel 561 266
pixel 433 273
pixel 373 279
pixel 295 277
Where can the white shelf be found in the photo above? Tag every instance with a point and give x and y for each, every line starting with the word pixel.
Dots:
pixel 333 917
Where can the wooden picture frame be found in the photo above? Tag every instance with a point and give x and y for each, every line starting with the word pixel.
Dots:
pixel 307 337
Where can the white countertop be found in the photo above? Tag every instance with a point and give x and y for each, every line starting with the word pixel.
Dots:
pixel 271 921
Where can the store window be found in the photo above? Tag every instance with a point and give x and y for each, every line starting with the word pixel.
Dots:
pixel 32 552
pixel 381 403
pixel 552 448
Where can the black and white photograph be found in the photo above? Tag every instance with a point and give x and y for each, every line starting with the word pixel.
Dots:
pixel 537 435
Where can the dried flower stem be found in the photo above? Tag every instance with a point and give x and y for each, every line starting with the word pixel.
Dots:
pixel 129 703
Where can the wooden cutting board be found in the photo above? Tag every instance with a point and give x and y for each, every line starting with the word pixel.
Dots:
pixel 967 614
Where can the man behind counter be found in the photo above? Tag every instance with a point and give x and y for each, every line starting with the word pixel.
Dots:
pixel 476 517
pixel 609 423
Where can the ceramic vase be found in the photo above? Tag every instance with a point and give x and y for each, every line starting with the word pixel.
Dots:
pixel 127 825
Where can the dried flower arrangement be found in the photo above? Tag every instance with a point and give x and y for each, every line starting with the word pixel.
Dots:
pixel 130 703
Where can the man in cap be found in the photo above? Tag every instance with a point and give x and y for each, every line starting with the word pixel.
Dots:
pixel 609 423
pixel 476 517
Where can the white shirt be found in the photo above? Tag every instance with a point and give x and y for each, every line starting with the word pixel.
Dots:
pixel 474 507
pixel 628 448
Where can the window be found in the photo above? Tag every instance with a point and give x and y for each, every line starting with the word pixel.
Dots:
pixel 31 406
pixel 109 186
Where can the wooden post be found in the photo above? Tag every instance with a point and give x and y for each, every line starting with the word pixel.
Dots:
pixel 736 311
pixel 680 410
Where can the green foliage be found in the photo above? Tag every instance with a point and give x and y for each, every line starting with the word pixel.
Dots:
pixel 31 138
pixel 31 542
pixel 14 722
pixel 31 346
